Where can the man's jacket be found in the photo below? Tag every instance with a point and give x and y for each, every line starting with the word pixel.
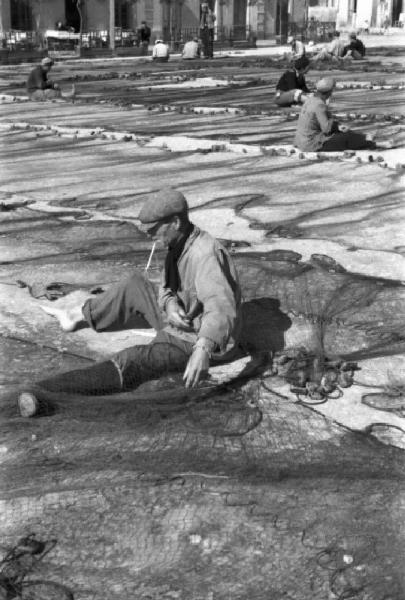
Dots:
pixel 209 292
pixel 38 80
pixel 290 80
pixel 315 125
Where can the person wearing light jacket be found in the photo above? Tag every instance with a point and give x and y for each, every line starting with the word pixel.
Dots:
pixel 197 315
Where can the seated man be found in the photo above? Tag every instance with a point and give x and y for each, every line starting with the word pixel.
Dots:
pixel 39 87
pixel 355 49
pixel 197 315
pixel 291 87
pixel 318 131
pixel 333 51
pixel 297 47
pixel 191 49
pixel 160 52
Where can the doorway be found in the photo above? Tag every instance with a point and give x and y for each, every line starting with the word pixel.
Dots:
pixel 72 16
pixel 282 19
pixel 239 19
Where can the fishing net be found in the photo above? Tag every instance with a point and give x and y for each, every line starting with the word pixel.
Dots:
pixel 232 490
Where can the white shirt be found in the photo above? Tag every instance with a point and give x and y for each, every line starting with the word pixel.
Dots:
pixel 190 50
pixel 160 50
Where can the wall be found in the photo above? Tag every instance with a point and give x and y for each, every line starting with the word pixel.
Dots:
pixel 96 15
pixel 5 15
pixel 46 13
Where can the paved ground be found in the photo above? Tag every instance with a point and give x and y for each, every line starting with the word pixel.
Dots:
pixel 246 493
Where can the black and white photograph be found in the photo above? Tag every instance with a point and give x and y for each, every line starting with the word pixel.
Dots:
pixel 202 299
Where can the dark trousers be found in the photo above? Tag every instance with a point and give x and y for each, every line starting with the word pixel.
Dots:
pixel 129 303
pixel 207 38
pixel 348 140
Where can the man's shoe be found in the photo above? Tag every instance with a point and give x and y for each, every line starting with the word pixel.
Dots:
pixel 28 404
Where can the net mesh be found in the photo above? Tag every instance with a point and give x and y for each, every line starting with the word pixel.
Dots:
pixel 233 490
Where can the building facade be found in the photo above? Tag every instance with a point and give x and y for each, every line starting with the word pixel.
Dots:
pixel 263 19
pixel 358 14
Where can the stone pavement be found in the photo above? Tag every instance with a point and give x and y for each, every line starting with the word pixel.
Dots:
pixel 246 493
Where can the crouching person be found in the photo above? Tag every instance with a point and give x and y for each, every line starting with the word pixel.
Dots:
pixel 39 87
pixel 196 315
pixel 318 131
pixel 292 87
pixel 160 52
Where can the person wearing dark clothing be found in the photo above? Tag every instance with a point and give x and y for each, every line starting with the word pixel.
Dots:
pixel 355 48
pixel 144 34
pixel 207 24
pixel 197 315
pixel 318 131
pixel 292 87
pixel 39 87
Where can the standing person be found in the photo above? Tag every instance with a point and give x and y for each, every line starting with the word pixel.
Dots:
pixel 333 51
pixel 39 87
pixel 318 131
pixel 207 25
pixel 160 52
pixel 197 315
pixel 144 34
pixel 355 48
pixel 191 49
pixel 292 87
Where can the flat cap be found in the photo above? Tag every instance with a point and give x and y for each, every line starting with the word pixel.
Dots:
pixel 326 84
pixel 46 61
pixel 162 205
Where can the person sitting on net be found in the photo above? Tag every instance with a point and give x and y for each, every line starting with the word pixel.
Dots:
pixel 318 131
pixel 197 316
pixel 333 51
pixel 40 88
pixel 355 49
pixel 191 49
pixel 291 87
pixel 297 47
pixel 160 52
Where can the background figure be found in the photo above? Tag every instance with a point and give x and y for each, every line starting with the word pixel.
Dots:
pixel 207 25
pixel 291 87
pixel 160 52
pixel 318 131
pixel 355 49
pixel 191 49
pixel 297 47
pixel 333 51
pixel 39 87
pixel 144 34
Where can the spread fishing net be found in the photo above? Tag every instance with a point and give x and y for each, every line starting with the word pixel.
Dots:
pixel 234 489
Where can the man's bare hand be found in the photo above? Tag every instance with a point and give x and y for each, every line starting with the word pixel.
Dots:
pixel 177 317
pixel 197 366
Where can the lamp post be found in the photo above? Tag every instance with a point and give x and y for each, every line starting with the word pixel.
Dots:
pixel 112 24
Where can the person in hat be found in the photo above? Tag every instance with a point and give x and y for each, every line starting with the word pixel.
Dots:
pixel 39 87
pixel 197 314
pixel 191 49
pixel 160 52
pixel 355 49
pixel 297 47
pixel 292 87
pixel 318 131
